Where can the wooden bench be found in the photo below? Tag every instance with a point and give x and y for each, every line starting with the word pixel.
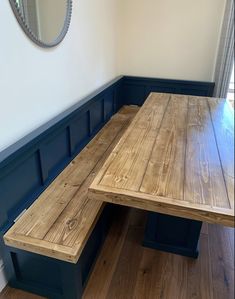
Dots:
pixel 53 245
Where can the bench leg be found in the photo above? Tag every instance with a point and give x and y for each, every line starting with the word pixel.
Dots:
pixel 172 234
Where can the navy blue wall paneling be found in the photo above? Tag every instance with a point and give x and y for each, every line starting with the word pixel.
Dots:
pixel 79 131
pixel 134 94
pixel 96 115
pixel 137 89
pixel 18 185
pixel 118 96
pixel 27 171
pixel 109 101
pixel 51 157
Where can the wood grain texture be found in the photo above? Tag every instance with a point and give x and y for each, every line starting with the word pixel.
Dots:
pixel 222 268
pixel 164 175
pixel 123 280
pixel 156 274
pixel 222 115
pixel 107 263
pixel 10 293
pixel 61 220
pixel 204 182
pixel 132 153
pixel 172 159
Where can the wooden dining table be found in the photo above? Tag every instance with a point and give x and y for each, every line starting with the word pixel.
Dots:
pixel 175 160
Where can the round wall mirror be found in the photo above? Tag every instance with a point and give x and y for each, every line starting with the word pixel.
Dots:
pixel 46 22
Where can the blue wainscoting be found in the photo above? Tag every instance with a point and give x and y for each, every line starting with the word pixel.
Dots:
pixel 136 89
pixel 29 166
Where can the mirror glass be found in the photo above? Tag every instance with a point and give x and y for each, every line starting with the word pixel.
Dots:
pixel 44 21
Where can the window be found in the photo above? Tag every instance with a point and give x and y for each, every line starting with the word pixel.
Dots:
pixel 230 95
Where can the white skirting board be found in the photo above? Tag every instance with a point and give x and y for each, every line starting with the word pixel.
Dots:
pixel 3 280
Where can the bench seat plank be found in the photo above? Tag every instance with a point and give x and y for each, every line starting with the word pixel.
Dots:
pixel 61 220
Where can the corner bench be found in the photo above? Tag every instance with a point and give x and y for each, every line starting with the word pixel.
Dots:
pixel 53 245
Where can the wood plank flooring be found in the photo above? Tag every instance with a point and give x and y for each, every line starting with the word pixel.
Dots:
pixel 126 270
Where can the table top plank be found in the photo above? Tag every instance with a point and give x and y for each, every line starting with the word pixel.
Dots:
pixel 163 205
pixel 204 181
pixel 164 175
pixel 134 152
pixel 186 174
pixel 222 115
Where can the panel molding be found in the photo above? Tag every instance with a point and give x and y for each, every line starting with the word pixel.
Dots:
pixel 44 153
pixel 137 89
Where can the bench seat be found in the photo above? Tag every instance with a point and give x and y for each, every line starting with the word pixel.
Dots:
pixel 60 221
pixel 52 247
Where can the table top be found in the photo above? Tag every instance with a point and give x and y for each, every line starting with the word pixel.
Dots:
pixel 176 158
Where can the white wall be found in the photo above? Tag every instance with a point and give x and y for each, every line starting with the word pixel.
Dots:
pixel 36 84
pixel 169 38
pixel 156 38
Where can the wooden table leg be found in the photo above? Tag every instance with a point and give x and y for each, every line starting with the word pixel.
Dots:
pixel 172 234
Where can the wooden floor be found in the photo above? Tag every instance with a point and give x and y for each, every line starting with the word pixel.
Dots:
pixel 126 270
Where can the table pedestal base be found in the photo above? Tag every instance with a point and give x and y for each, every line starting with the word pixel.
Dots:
pixel 172 234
